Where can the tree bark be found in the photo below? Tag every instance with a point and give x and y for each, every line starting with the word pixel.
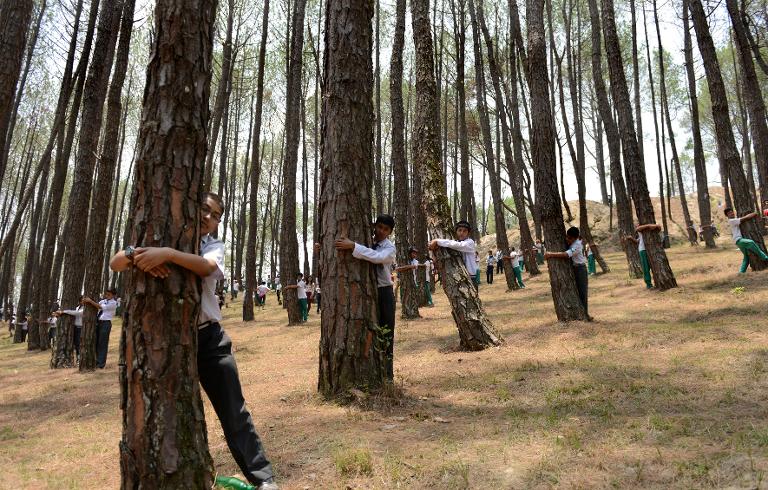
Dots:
pixel 15 17
pixel 726 143
pixel 351 356
pixel 466 183
pixel 410 299
pixel 99 212
pixel 623 207
pixel 662 272
pixel 475 329
pixel 255 173
pixel 699 163
pixel 289 246
pixel 562 281
pixel 82 183
pixel 164 442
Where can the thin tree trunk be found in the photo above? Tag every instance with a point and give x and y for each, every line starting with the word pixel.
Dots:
pixel 662 273
pixel 410 298
pixel 289 247
pixel 350 352
pixel 475 329
pixel 164 441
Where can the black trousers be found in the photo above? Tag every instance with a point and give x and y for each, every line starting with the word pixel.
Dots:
pixel 582 284
pixel 386 300
pixel 499 266
pixel 489 274
pixel 220 381
pixel 76 340
pixel 103 327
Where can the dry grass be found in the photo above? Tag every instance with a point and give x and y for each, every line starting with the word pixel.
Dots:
pixel 664 390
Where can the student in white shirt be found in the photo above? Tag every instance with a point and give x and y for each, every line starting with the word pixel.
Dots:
pixel 107 307
pixel 215 362
pixel 279 291
pixel 463 244
pixel 490 265
pixel 235 289
pixel 261 292
pixel 575 253
pixel 499 262
pixel 640 241
pixel 514 257
pixel 382 257
pixel 414 266
pixel 745 244
pixel 77 314
pixel 301 294
pixel 317 295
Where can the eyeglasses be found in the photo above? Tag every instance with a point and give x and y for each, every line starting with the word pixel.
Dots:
pixel 207 211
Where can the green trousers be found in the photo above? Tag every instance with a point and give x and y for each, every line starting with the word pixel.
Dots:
pixel 304 308
pixel 539 258
pixel 428 292
pixel 518 276
pixel 477 277
pixel 747 245
pixel 646 268
pixel 591 264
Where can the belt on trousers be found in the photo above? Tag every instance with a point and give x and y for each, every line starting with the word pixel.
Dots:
pixel 205 324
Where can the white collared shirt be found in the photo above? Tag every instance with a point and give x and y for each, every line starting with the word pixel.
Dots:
pixel 301 290
pixel 77 313
pixel 108 308
pixel 383 256
pixel 467 249
pixel 640 243
pixel 735 224
pixel 515 258
pixel 213 249
pixel 576 253
pixel 262 290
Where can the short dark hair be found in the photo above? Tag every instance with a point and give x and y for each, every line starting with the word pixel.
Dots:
pixel 299 275
pixel 727 210
pixel 215 197
pixel 413 250
pixel 113 291
pixel 463 224
pixel 573 232
pixel 387 220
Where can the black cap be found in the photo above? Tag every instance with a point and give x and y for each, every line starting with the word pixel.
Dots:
pixel 463 224
pixel 386 219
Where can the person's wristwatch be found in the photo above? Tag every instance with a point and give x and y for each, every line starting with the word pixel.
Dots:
pixel 129 251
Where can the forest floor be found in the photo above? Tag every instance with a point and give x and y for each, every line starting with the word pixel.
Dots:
pixel 663 390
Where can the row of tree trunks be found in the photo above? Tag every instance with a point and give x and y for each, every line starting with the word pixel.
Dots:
pixel 475 329
pixel 726 143
pixel 409 307
pixel 635 170
pixel 164 441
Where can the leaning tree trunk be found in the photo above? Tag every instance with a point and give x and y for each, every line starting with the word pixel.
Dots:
pixel 494 169
pixel 623 207
pixel 164 443
pixel 752 96
pixel 410 304
pixel 289 245
pixel 662 272
pixel 15 17
pixel 475 329
pixel 350 356
pixel 699 164
pixel 690 230
pixel 562 281
pixel 99 213
pixel 82 183
pixel 726 143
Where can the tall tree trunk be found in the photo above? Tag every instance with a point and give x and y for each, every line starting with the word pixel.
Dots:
pixel 726 143
pixel 164 442
pixel 289 246
pixel 15 17
pixel 494 169
pixel 410 303
pixel 255 172
pixel 378 180
pixel 466 185
pixel 562 281
pixel 348 326
pixel 97 218
pixel 222 96
pixel 623 207
pixel 662 272
pixel 752 96
pixel 693 238
pixel 699 164
pixel 636 81
pixel 82 183
pixel 475 329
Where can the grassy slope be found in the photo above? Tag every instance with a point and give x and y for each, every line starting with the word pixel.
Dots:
pixel 665 390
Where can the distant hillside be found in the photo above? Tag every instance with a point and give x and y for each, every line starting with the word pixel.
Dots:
pixel 600 222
